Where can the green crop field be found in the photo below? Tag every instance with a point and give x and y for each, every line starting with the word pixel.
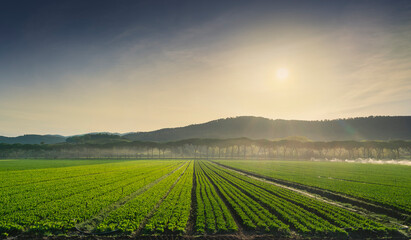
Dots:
pixel 178 197
pixel 386 184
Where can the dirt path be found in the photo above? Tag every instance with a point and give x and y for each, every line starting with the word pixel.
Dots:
pixel 192 218
pixel 389 222
pixel 357 205
pixel 286 187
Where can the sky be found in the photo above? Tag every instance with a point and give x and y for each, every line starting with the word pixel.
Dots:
pixel 73 66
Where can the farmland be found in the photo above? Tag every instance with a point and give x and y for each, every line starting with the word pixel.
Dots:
pixel 385 184
pixel 168 197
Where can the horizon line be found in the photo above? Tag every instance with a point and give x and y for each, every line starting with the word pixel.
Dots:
pixel 158 129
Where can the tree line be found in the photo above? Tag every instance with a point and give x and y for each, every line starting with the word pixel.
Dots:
pixel 236 148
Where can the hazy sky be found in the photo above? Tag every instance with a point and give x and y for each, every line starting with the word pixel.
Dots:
pixel 70 67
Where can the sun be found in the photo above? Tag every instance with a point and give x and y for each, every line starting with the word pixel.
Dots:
pixel 282 73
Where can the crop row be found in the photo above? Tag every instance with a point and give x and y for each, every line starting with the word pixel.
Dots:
pixel 33 195
pixel 53 196
pixel 211 213
pixel 131 215
pixel 253 216
pixel 336 215
pixel 173 213
pixel 306 215
pixel 61 210
pixel 156 197
pixel 30 176
pixel 386 184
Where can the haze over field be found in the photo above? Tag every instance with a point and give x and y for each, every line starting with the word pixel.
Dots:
pixel 71 67
pixel 359 129
pixel 218 119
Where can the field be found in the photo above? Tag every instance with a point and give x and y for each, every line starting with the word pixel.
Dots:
pixel 183 198
pixel 384 184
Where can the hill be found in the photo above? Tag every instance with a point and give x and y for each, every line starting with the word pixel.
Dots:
pixel 97 138
pixel 33 139
pixel 365 128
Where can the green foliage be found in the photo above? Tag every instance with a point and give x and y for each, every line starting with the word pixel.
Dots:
pixel 56 199
pixel 212 214
pixel 156 197
pixel 129 217
pixel 308 216
pixel 101 138
pixel 387 184
pixel 173 213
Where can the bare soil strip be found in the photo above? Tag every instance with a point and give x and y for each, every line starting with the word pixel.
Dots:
pixel 90 224
pixel 192 218
pixel 332 196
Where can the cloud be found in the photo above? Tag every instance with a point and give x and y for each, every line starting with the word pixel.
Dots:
pixel 139 78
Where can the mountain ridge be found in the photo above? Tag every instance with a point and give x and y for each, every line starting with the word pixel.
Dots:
pixel 33 139
pixel 362 128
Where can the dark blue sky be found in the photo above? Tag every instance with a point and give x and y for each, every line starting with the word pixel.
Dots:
pixel 56 32
pixel 60 49
pixel 65 34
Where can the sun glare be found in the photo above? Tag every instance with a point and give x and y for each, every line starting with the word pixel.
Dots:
pixel 282 73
